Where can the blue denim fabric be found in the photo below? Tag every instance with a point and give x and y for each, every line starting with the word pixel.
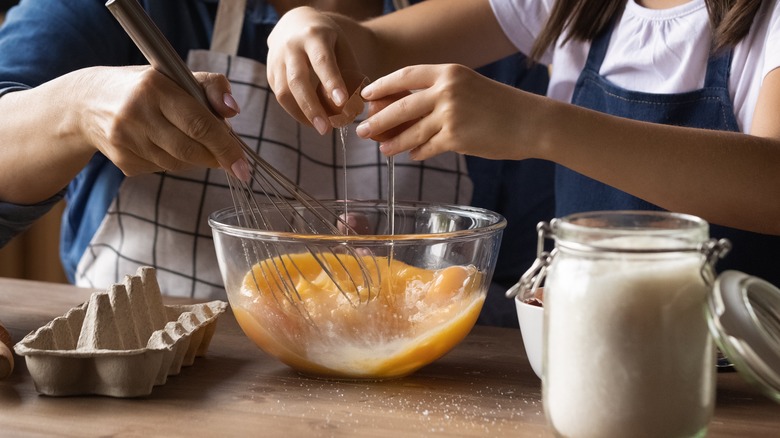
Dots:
pixel 521 190
pixel 43 39
pixel 708 108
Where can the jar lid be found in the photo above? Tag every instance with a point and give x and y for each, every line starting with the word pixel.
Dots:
pixel 744 316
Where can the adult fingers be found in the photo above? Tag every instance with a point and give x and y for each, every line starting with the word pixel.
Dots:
pixel 204 129
pixel 218 94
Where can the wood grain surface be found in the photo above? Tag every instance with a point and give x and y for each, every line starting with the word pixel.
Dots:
pixel 483 388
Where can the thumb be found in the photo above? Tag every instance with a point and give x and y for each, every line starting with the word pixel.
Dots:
pixel 218 93
pixel 229 155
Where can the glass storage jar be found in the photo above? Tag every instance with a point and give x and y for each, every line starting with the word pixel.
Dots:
pixel 627 350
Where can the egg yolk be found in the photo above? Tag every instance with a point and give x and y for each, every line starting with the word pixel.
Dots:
pixel 383 320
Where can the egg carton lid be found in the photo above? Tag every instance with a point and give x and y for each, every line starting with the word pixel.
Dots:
pixel 120 343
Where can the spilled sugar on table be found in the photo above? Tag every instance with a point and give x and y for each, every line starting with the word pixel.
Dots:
pixel 484 387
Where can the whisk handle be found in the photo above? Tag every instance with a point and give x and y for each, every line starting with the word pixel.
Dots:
pixel 154 46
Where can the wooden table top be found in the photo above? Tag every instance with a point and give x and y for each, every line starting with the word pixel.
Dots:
pixel 484 387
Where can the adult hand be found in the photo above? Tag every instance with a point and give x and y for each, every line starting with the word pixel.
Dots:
pixel 143 122
pixel 446 107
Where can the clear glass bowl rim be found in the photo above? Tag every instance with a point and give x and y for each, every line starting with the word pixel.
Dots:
pixel 495 223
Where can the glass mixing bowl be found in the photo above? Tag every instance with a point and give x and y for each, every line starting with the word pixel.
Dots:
pixel 363 306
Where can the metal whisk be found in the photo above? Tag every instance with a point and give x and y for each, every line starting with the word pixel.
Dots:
pixel 277 267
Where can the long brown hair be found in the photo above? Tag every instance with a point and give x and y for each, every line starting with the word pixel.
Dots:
pixel 585 19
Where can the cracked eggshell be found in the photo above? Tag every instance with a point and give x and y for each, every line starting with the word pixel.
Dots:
pixel 342 116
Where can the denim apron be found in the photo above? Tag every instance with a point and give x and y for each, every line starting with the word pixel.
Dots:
pixel 707 108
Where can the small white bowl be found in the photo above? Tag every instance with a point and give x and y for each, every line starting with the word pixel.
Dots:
pixel 531 319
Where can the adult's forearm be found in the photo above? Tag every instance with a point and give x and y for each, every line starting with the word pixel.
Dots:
pixel 41 149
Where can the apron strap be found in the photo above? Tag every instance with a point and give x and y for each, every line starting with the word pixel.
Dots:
pixel 227 26
pixel 718 70
pixel 598 47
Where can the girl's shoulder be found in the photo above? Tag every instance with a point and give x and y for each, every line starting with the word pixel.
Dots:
pixel 522 21
pixel 760 49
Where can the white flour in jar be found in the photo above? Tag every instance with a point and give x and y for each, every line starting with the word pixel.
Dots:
pixel 628 348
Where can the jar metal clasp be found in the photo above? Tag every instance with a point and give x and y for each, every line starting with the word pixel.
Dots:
pixel 530 281
pixel 713 250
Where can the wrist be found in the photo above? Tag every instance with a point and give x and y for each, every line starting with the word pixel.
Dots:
pixel 536 129
pixel 78 123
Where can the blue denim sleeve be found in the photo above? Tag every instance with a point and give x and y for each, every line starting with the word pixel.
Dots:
pixel 43 39
pixel 16 218
pixel 40 40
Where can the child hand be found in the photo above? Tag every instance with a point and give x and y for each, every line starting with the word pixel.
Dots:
pixel 430 109
pixel 306 51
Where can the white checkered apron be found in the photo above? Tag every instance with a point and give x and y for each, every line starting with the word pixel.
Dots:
pixel 161 220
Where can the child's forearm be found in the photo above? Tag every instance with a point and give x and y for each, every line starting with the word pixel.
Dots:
pixel 716 175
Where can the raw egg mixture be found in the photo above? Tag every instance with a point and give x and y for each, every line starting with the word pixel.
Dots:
pixel 407 319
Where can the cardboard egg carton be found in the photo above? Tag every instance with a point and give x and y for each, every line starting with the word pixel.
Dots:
pixel 120 343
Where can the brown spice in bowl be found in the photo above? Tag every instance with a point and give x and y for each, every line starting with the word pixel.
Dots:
pixel 537 299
